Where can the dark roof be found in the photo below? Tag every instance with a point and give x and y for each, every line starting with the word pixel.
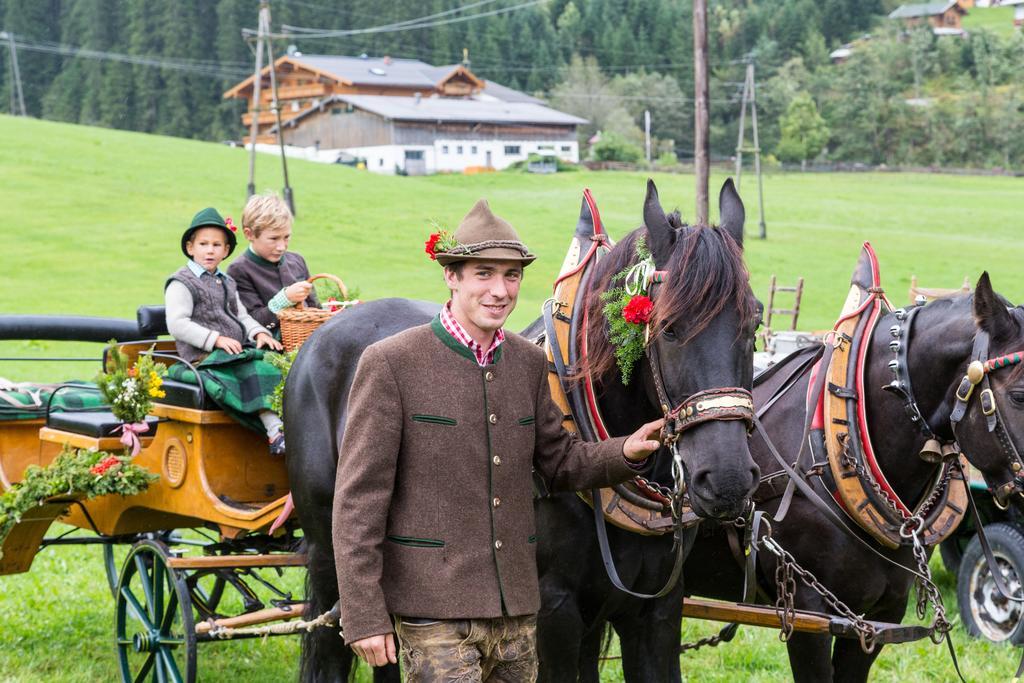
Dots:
pixel 447 109
pixel 923 9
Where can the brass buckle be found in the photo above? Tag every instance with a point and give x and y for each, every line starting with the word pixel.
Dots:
pixel 966 388
pixel 988 402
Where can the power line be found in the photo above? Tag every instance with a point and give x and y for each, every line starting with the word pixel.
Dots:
pixel 204 68
pixel 406 26
pixel 382 29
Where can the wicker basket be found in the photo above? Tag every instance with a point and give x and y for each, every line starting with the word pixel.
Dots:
pixel 298 322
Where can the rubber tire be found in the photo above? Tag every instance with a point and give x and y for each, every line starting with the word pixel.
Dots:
pixel 1007 542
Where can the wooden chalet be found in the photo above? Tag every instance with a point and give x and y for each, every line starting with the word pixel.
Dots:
pixel 943 17
pixel 404 115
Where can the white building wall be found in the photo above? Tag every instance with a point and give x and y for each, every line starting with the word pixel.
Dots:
pixel 445 156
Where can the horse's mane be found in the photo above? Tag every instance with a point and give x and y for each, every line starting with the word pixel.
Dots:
pixel 705 274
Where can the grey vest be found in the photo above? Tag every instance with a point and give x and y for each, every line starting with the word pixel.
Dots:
pixel 214 306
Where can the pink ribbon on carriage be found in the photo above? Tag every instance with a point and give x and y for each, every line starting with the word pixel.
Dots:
pixel 130 435
pixel 289 506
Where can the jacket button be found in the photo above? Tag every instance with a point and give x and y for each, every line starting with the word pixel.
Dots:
pixel 497 501
pixel 493 419
pixel 497 460
pixel 489 376
pixel 497 545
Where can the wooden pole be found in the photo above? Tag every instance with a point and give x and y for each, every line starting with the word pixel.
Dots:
pixel 254 125
pixel 701 145
pixel 276 106
pixel 16 93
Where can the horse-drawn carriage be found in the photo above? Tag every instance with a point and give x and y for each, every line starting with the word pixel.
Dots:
pixel 172 590
pixel 175 590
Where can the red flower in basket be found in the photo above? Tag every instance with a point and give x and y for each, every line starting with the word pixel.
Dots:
pixel 103 465
pixel 431 245
pixel 638 310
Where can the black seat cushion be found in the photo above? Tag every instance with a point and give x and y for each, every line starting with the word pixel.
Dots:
pixel 96 424
pixel 152 321
pixel 185 395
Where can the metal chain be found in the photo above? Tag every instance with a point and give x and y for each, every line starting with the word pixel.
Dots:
pixel 707 641
pixel 785 601
pixel 865 630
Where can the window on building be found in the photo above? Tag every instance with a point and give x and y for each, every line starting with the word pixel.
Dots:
pixel 512 149
pixel 413 154
pixel 458 150
pixel 566 148
pixel 381 163
pixel 337 111
pixel 444 149
pixel 550 148
pixel 472 150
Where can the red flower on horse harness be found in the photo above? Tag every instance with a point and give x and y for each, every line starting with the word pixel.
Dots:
pixel 638 310
pixel 103 465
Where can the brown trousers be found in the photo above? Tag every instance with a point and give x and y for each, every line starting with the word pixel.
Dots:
pixel 502 650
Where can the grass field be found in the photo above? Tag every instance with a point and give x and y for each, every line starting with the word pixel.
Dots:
pixel 91 223
pixel 998 20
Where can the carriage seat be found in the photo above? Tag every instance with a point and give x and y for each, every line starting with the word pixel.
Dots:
pixel 97 424
pixel 186 395
pixel 152 321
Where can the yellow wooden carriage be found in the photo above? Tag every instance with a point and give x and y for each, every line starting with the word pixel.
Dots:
pixel 216 477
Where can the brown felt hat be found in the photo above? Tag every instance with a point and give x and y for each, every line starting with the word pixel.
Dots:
pixel 482 236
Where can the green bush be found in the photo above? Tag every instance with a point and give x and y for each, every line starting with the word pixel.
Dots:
pixel 613 147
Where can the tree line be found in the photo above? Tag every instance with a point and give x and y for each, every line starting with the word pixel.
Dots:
pixel 901 97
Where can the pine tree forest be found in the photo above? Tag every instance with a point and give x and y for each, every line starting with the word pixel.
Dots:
pixel 904 96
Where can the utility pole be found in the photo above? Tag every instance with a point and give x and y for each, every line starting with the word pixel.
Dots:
pixel 750 96
pixel 15 76
pixel 647 133
pixel 263 43
pixel 701 144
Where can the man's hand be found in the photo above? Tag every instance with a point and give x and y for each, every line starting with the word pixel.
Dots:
pixel 265 340
pixel 228 344
pixel 377 650
pixel 643 441
pixel 299 291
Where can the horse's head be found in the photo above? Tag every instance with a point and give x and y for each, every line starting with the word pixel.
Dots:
pixel 990 429
pixel 699 339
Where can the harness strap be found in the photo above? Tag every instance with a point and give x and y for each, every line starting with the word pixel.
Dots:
pixel 609 562
pixel 816 389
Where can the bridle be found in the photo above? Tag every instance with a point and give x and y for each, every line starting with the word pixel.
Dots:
pixel 707 405
pixel 978 373
pixel 936 449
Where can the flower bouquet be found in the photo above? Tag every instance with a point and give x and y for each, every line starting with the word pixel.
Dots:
pixel 130 390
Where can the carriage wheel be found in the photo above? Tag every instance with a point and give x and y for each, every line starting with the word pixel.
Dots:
pixel 984 610
pixel 156 638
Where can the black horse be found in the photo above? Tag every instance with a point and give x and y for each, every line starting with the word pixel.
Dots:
pixel 939 352
pixel 704 336
pixel 707 284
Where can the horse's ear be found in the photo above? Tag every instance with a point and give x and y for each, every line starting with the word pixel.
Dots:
pixel 730 208
pixel 660 234
pixel 990 312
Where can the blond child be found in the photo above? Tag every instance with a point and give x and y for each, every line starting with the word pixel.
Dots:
pixel 214 333
pixel 270 278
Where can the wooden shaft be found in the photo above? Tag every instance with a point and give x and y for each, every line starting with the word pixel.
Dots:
pixel 262 616
pixel 213 561
pixel 701 144
pixel 752 615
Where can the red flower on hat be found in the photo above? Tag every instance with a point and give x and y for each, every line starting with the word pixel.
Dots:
pixel 231 226
pixel 431 245
pixel 638 310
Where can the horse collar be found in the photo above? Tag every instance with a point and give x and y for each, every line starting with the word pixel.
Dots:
pixel 935 449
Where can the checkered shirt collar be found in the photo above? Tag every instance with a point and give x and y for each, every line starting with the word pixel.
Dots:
pixel 455 328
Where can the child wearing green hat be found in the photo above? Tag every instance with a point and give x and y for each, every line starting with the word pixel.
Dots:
pixel 214 333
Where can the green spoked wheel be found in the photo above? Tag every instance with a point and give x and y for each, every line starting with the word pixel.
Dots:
pixel 156 638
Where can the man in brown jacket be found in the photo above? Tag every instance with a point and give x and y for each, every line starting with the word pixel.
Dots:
pixel 433 509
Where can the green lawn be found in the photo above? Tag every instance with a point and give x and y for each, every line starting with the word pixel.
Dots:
pixel 999 20
pixel 92 220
